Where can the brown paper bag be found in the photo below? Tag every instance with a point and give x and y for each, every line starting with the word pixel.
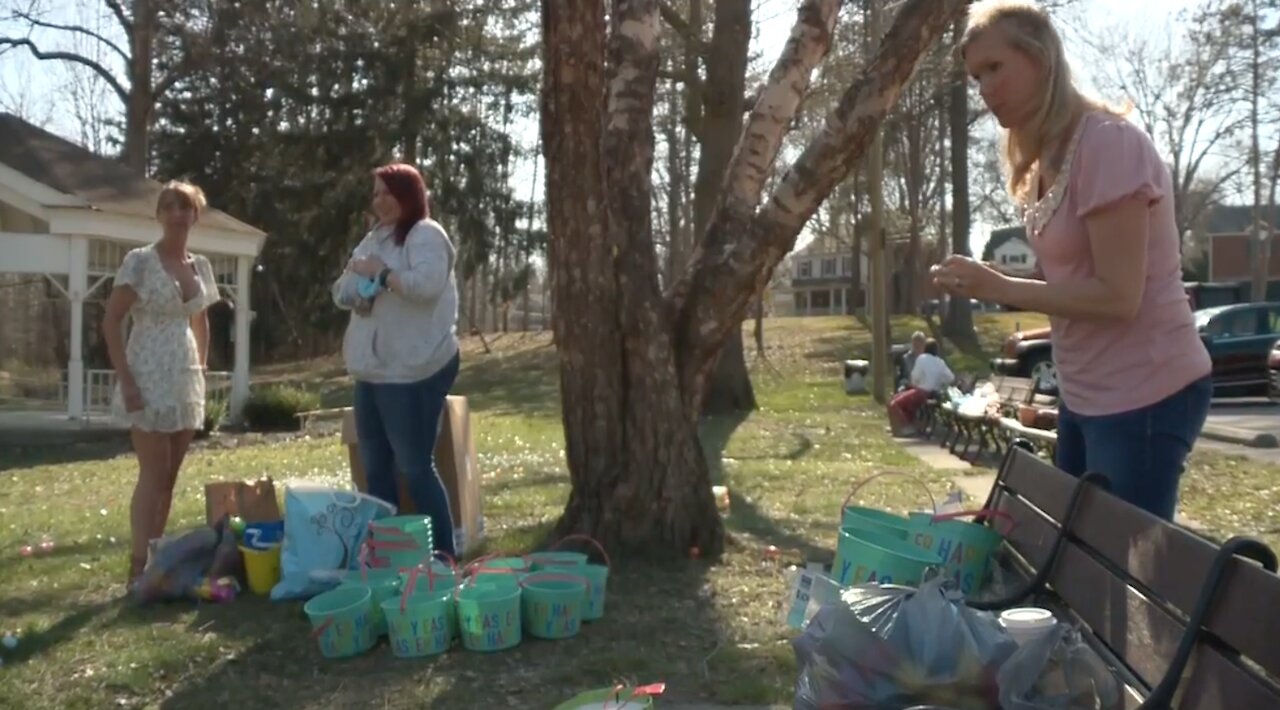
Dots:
pixel 253 501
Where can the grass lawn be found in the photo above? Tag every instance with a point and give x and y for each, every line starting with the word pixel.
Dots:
pixel 710 632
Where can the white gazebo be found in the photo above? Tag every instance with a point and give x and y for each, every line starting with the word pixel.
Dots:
pixel 68 213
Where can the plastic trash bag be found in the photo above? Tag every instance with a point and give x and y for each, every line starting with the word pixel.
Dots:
pixel 178 563
pixel 1058 671
pixel 889 648
pixel 323 530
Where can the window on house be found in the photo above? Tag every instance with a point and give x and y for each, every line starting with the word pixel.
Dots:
pixel 846 266
pixel 804 269
pixel 821 300
pixel 802 301
pixel 829 266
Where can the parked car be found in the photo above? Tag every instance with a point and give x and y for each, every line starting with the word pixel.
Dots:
pixel 1273 371
pixel 1241 340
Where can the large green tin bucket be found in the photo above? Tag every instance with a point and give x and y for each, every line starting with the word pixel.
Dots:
pixel 552 604
pixel 341 621
pixel 488 616
pixel 864 557
pixel 964 549
pixel 874 520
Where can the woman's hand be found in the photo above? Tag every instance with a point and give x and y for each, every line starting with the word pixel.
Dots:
pixel 964 276
pixel 132 396
pixel 368 266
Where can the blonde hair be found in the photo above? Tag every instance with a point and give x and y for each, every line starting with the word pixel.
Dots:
pixel 183 193
pixel 1028 29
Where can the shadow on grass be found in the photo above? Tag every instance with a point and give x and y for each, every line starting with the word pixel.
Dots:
pixel 745 516
pixel 40 642
pixel 524 382
pixel 54 453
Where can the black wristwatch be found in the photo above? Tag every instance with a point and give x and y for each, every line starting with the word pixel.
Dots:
pixel 382 276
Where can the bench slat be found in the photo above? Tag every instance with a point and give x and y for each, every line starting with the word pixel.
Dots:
pixel 1169 561
pixel 1131 625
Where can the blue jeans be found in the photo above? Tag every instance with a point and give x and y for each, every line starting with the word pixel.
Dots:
pixel 397 425
pixel 1143 452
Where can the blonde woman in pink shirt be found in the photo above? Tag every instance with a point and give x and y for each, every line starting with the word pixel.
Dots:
pixel 1097 200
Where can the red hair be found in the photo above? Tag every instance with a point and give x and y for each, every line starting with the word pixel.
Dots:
pixel 406 185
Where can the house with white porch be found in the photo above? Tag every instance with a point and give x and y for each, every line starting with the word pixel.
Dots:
pixel 67 218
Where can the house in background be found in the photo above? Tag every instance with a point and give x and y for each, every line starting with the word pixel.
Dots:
pixel 1227 231
pixel 1009 250
pixel 820 281
pixel 67 218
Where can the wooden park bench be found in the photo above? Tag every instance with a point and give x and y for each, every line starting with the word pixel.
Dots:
pixel 1184 622
pixel 981 430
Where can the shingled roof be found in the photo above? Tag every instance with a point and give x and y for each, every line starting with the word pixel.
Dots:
pixel 104 184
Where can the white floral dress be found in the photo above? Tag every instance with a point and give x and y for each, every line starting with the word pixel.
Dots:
pixel 162 352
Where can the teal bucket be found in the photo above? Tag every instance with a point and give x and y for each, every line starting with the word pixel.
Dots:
pixel 874 521
pixel 383 584
pixel 342 621
pixel 963 549
pixel 442 576
pixel 864 557
pixel 401 541
pixel 553 604
pixel 422 624
pixel 543 561
pixel 489 616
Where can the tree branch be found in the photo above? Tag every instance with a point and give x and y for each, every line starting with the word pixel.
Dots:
pixel 714 297
pixel 72 57
pixel 687 32
pixel 74 29
pixel 125 23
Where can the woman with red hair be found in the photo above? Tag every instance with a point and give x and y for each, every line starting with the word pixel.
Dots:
pixel 400 345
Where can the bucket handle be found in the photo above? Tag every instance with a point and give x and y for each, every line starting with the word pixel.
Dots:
pixel 858 486
pixel 557 576
pixel 644 691
pixel 586 538
pixel 477 564
pixel 982 513
pixel 472 577
pixel 417 571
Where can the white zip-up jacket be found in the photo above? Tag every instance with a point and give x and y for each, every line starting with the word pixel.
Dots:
pixel 410 334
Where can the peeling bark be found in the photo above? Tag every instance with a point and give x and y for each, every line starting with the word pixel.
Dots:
pixel 633 364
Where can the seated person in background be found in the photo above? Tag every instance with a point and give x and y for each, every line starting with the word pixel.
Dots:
pixel 908 361
pixel 929 375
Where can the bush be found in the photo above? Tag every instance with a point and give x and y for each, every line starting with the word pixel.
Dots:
pixel 275 408
pixel 215 413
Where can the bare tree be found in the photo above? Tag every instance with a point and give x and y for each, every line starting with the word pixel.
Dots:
pixel 635 363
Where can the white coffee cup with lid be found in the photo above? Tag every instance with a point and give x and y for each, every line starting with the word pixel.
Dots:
pixel 1027 623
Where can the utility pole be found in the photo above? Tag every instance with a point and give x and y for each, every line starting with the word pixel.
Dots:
pixel 875 230
pixel 1259 237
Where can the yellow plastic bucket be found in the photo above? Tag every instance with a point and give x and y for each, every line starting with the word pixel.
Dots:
pixel 262 568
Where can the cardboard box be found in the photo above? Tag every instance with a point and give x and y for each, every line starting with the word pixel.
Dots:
pixel 455 461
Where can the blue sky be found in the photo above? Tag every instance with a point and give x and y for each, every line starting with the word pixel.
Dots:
pixel 41 85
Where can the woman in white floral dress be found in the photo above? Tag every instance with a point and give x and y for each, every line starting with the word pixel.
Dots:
pixel 163 290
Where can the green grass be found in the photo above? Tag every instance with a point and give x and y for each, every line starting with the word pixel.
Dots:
pixel 710 632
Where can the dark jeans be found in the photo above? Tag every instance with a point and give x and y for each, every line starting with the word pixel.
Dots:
pixel 397 425
pixel 1143 451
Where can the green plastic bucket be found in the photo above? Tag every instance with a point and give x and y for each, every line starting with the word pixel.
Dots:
pixel 442 576
pixel 400 541
pixel 552 604
pixel 542 561
pixel 864 557
pixel 421 624
pixel 342 621
pixel 488 616
pixel 964 549
pixel 874 521
pixel 383 584
pixel 579 564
